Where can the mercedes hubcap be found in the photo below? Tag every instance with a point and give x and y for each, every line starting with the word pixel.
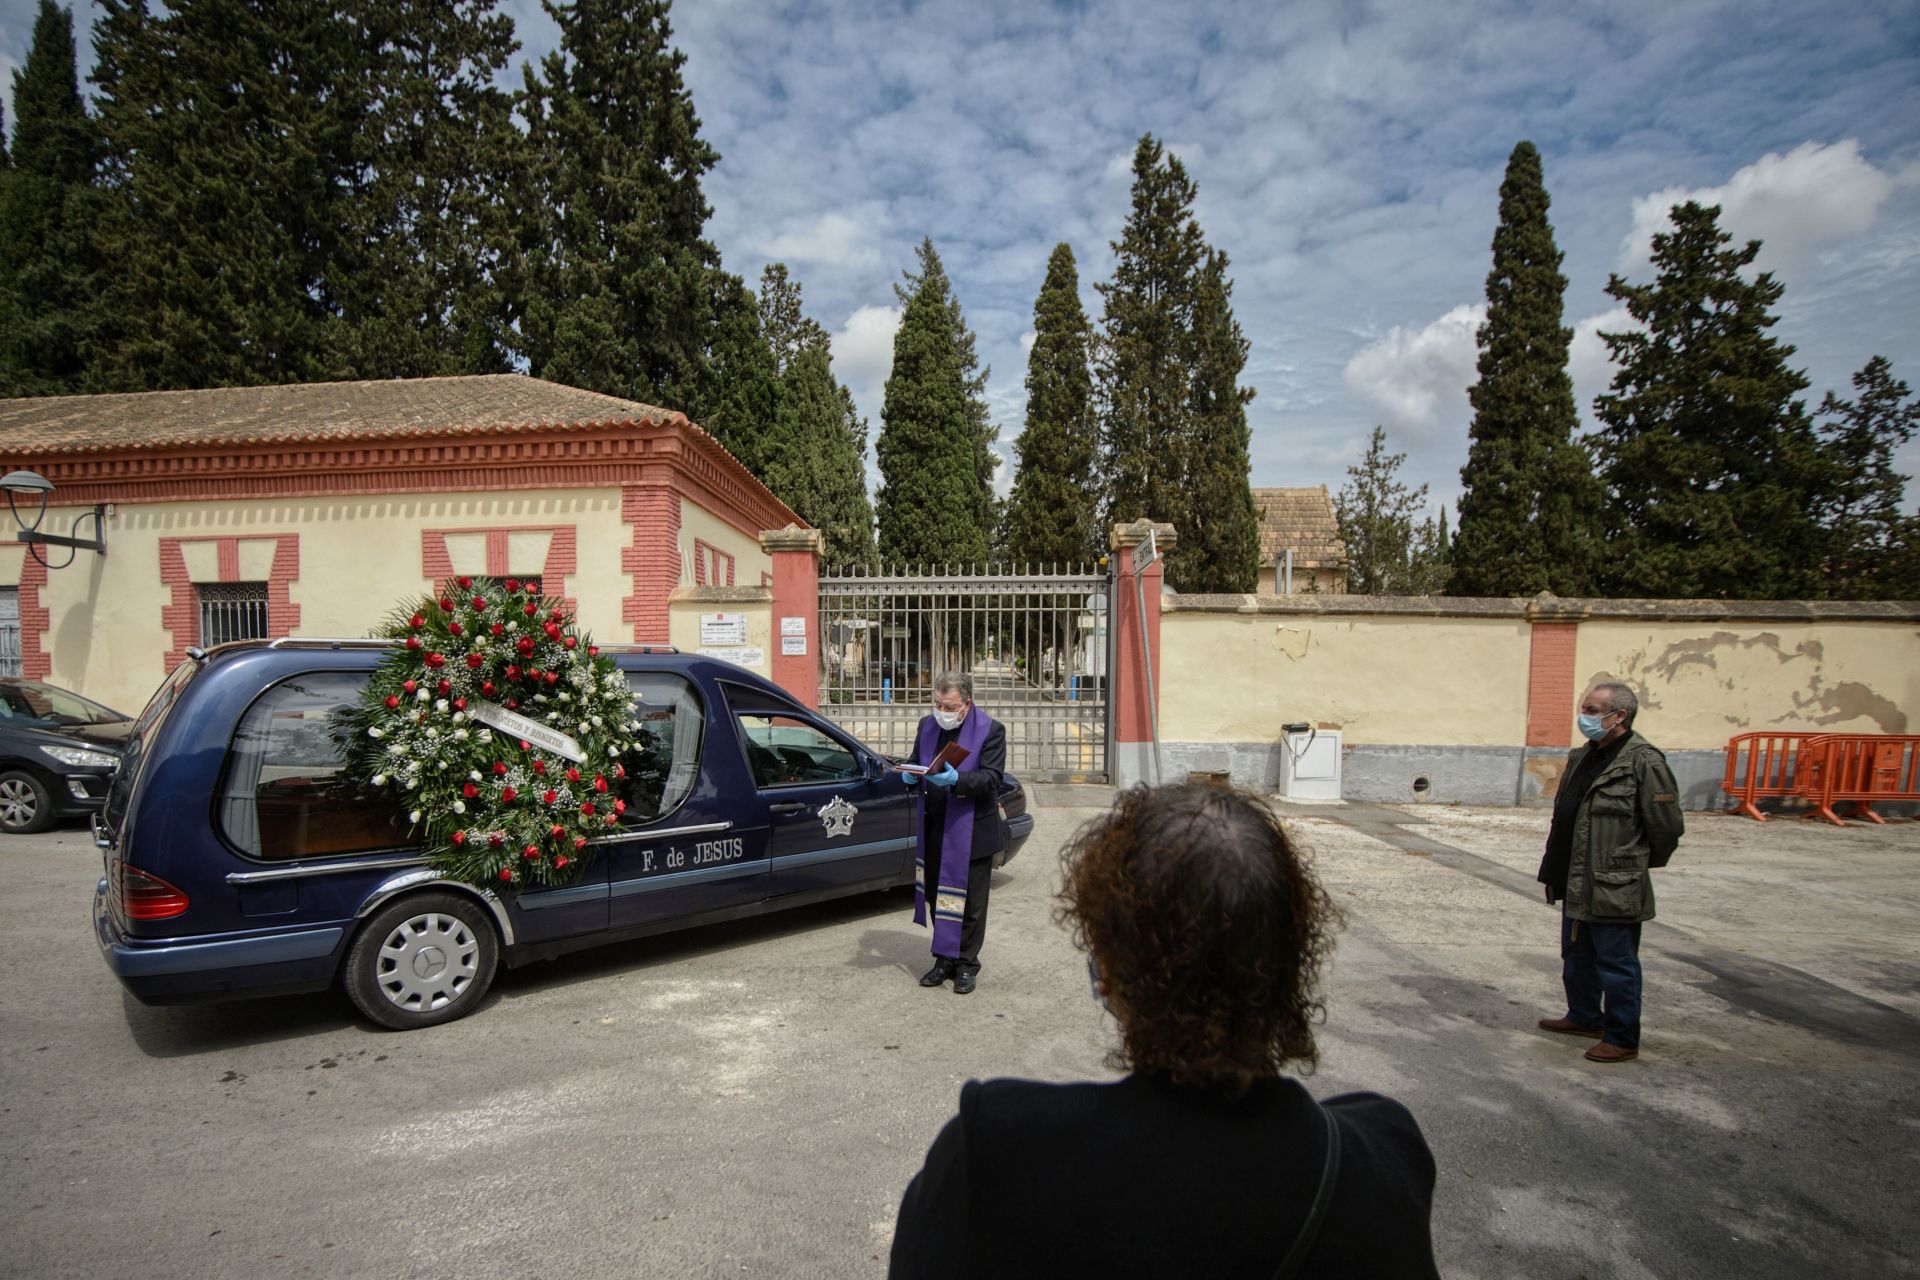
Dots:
pixel 428 962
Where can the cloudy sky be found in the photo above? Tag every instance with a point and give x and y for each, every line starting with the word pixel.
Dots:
pixel 1348 158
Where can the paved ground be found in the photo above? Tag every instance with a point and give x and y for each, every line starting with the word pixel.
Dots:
pixel 751 1100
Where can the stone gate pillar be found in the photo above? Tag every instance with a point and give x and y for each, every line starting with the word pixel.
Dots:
pixel 1134 684
pixel 795 660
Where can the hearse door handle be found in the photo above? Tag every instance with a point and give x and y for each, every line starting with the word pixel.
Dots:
pixel 782 810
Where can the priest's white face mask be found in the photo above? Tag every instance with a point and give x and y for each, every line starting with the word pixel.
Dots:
pixel 950 707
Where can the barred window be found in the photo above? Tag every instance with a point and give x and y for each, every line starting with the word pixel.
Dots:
pixel 232 611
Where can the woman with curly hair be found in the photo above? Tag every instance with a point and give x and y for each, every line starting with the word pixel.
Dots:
pixel 1205 932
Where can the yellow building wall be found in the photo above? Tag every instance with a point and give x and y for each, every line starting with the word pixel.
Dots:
pixel 1238 677
pixel 749 561
pixel 1699 683
pixel 688 604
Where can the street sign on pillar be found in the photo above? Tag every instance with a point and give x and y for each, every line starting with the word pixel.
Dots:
pixel 1145 553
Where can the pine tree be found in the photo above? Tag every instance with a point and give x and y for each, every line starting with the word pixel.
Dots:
pixel 232 134
pixel 49 268
pixel 1388 554
pixel 933 503
pixel 625 296
pixel 424 286
pixel 1709 461
pixel 813 457
pixel 1219 530
pixel 1529 497
pixel 1862 498
pixel 1143 366
pixel 1052 515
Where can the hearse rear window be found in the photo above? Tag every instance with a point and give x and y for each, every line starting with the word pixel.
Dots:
pixel 286 796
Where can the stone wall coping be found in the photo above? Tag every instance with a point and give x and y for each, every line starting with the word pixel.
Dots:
pixel 793 538
pixel 721 595
pixel 1547 608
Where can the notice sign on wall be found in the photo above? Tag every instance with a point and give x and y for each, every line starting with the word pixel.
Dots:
pixel 723 628
pixel 793 626
pixel 745 657
pixel 793 646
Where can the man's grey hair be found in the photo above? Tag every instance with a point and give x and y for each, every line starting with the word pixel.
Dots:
pixel 955 681
pixel 1619 698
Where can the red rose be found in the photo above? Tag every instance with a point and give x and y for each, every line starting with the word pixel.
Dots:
pixel 466 584
pixel 532 852
pixel 459 704
pixel 469 791
pixel 436 660
pixel 529 588
pixel 525 745
pixel 593 651
pixel 570 642
pixel 550 797
pixel 587 809
pixel 553 677
pixel 540 766
pixel 488 689
pixel 553 632
pixel 556 831
pixel 453 628
pixel 410 686
pixel 513 672
pixel 599 783
pixel 413 642
pixel 416 622
pixel 499 767
pixel 525 645
pixel 474 660
pixel 613 819
pixel 619 806
pixel 508 795
pixel 531 609
pixel 459 837
pixel 506 873
pixel 562 860
pixel 579 842
pixel 497 629
pixel 446 602
pixel 479 602
pixel 554 614
pixel 513 584
pixel 393 701
pixel 512 703
pixel 573 775
pixel 619 771
pixel 496 839
pixel 444 686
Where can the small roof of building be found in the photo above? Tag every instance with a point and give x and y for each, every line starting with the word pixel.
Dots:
pixel 312 412
pixel 1303 520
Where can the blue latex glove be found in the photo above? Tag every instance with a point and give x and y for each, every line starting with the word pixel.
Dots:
pixel 911 779
pixel 945 778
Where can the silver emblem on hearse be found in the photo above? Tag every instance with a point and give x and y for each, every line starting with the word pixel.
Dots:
pixel 837 817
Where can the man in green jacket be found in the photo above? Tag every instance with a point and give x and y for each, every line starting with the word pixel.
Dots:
pixel 1616 815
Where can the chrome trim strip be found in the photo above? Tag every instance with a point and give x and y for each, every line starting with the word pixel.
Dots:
pixel 681 879
pixel 305 869
pixel 648 833
pixel 835 854
pixel 564 897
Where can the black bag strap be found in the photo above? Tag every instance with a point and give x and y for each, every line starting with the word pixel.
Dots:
pixel 1322 1200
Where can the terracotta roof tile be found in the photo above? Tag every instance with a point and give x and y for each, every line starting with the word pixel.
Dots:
pixel 1303 520
pixel 313 412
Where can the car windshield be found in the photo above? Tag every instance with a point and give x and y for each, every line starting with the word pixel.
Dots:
pixel 133 754
pixel 31 702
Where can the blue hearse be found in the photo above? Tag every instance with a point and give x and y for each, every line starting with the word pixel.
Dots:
pixel 242 861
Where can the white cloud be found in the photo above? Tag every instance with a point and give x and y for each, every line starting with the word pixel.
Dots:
pixel 833 240
pixel 1792 203
pixel 863 357
pixel 1589 362
pixel 1418 378
pixel 1027 340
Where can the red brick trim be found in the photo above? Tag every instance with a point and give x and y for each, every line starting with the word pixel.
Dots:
pixel 598 455
pixel 1550 684
pixel 653 559
pixel 712 567
pixel 36 662
pixel 180 618
pixel 562 562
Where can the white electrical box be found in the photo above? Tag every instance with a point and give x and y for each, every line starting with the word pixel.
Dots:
pixel 1310 764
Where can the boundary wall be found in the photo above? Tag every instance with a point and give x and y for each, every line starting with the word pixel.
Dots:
pixel 1443 699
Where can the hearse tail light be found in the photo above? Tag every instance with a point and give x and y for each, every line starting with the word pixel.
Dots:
pixel 147 897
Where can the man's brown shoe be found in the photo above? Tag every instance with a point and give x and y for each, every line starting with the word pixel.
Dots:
pixel 1568 1027
pixel 1604 1052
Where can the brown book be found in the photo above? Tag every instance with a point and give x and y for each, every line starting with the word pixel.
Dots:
pixel 951 754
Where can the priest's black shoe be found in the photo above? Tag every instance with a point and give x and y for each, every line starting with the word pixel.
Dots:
pixel 941 971
pixel 964 978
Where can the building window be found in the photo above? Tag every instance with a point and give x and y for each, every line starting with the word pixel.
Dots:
pixel 232 611
pixel 9 631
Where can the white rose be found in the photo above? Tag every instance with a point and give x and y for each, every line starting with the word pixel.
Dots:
pixel 420 695
pixel 459 735
pixel 486 735
pixel 375 732
pixel 596 722
pixel 440 704
pixel 458 716
pixel 414 816
pixel 473 775
pixel 379 779
pixel 432 732
pixel 459 806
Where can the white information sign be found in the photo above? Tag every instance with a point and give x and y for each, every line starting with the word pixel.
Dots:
pixel 793 646
pixel 745 657
pixel 533 731
pixel 723 628
pixel 793 626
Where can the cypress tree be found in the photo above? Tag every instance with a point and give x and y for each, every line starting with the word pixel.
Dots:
pixel 1219 530
pixel 424 286
pixel 625 296
pixel 49 268
pixel 232 136
pixel 1529 498
pixel 1710 463
pixel 1862 498
pixel 933 502
pixel 1148 319
pixel 1052 514
pixel 1388 554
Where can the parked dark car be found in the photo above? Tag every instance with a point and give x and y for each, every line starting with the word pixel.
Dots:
pixel 57 751
pixel 241 860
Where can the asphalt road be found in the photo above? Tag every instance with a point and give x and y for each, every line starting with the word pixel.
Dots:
pixel 751 1100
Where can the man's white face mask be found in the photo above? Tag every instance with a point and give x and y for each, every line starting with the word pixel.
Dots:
pixel 948 719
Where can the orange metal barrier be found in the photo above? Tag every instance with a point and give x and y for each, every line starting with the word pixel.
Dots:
pixel 1759 765
pixel 1858 768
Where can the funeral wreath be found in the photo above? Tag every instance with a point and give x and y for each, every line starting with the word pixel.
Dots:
pixel 500 730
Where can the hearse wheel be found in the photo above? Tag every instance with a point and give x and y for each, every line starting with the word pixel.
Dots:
pixel 422 960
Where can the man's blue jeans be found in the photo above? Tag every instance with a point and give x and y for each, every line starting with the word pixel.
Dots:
pixel 1600 963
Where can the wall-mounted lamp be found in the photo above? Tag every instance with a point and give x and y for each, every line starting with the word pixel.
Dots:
pixel 16 482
